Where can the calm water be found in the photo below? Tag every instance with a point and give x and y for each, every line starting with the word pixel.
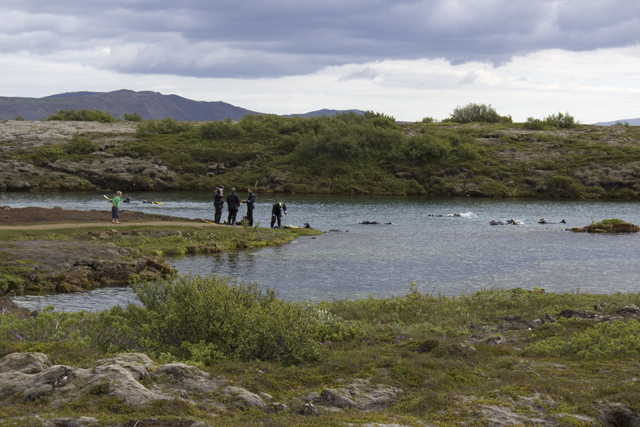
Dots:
pixel 448 254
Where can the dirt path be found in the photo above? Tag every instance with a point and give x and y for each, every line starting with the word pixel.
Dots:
pixel 51 226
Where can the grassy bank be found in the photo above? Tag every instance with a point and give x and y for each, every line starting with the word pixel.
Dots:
pixel 352 154
pixel 438 350
pixel 29 255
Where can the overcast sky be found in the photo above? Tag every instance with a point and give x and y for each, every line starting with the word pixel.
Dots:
pixel 409 59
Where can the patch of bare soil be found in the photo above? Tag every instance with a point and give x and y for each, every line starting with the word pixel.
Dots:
pixel 35 215
pixel 70 266
pixel 51 256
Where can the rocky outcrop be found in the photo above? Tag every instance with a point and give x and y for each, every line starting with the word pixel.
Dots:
pixel 524 410
pixel 619 415
pixel 359 394
pixel 89 274
pixel 123 173
pixel 603 227
pixel 133 379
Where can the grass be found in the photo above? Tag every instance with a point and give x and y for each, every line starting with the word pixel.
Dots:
pixel 432 347
pixel 345 155
pixel 139 242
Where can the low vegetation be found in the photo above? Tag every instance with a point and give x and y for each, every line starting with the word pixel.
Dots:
pixel 134 242
pixel 437 349
pixel 475 152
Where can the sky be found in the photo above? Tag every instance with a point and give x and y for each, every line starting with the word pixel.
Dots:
pixel 409 59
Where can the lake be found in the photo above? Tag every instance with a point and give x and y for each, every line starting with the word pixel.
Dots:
pixel 458 252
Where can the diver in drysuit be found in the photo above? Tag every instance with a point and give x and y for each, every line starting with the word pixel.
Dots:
pixel 233 203
pixel 218 203
pixel 276 213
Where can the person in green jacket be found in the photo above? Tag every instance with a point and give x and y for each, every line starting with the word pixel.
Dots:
pixel 115 208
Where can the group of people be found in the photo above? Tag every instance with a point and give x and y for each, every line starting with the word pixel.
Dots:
pixel 233 205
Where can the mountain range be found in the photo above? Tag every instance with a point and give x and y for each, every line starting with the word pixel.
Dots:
pixel 150 105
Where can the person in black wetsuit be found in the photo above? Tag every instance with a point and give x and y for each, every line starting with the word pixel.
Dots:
pixel 233 202
pixel 251 199
pixel 218 203
pixel 276 213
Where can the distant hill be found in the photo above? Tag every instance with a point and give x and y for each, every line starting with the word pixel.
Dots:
pixel 323 112
pixel 71 94
pixel 150 105
pixel 632 122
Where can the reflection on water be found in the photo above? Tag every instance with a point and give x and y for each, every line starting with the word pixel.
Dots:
pixel 448 254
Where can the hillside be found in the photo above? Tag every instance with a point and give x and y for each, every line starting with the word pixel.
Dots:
pixel 323 112
pixel 632 122
pixel 150 105
pixel 344 154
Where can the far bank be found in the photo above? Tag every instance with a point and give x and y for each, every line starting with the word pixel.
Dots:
pixel 344 154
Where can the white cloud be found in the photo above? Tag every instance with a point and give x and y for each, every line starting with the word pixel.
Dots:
pixel 254 38
pixel 593 86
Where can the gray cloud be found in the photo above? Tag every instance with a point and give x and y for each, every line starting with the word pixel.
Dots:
pixel 365 74
pixel 469 78
pixel 212 38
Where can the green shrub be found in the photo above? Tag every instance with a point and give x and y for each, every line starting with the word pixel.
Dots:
pixel 467 151
pixel 81 145
pixel 161 127
pixel 425 148
pixel 219 317
pixel 563 121
pixel 534 124
pixel 380 120
pixel 603 341
pixel 219 130
pixel 132 117
pixel 83 116
pixel 9 282
pixel 480 113
pixel 560 120
pixel 19 119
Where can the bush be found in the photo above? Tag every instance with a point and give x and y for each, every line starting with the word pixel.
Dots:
pixel 562 121
pixel 81 145
pixel 219 130
pixel 132 117
pixel 603 341
pixel 161 127
pixel 480 113
pixel 220 317
pixel 9 282
pixel 19 119
pixel 380 120
pixel 466 151
pixel 83 116
pixel 534 124
pixel 425 148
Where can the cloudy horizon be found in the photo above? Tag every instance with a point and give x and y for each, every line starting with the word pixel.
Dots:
pixel 409 59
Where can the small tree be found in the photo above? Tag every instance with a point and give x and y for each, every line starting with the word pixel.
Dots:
pixel 81 145
pixel 132 117
pixel 481 113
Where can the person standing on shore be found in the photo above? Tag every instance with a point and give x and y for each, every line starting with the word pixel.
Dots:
pixel 115 208
pixel 218 203
pixel 276 213
pixel 233 202
pixel 251 198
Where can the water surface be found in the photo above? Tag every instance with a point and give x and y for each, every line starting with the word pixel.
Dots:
pixel 448 254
